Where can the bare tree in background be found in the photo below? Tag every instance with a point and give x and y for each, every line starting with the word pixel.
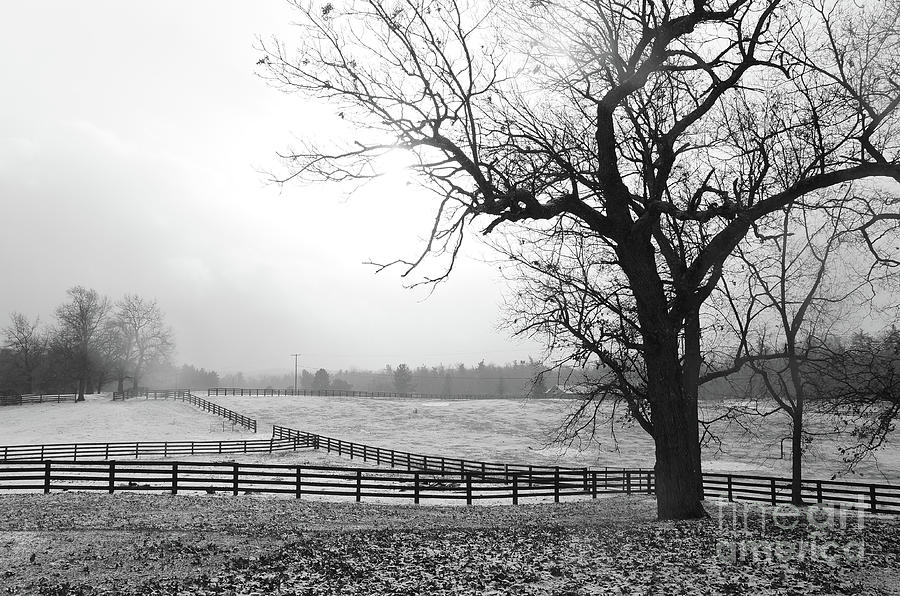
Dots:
pixel 799 287
pixel 80 323
pixel 143 336
pixel 861 380
pixel 668 130
pixel 28 346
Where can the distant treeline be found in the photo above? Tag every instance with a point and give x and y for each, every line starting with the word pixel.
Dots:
pixel 513 379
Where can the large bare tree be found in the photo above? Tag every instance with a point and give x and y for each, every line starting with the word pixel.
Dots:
pixel 668 129
pixel 80 325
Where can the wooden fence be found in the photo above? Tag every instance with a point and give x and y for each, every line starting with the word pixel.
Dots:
pixel 444 477
pixel 296 481
pixel 186 395
pixel 433 463
pixel 876 498
pixel 76 451
pixel 216 391
pixel 37 398
pixel 151 394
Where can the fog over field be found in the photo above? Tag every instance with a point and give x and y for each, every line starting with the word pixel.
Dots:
pixel 134 165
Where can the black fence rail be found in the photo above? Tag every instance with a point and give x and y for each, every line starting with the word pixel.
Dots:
pixel 218 391
pixel 186 395
pixel 440 464
pixel 297 481
pixel 876 498
pixel 36 398
pixel 76 451
pixel 151 394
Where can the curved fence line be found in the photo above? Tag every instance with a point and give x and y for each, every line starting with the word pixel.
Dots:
pixel 186 395
pixel 876 498
pixel 416 461
pixel 137 449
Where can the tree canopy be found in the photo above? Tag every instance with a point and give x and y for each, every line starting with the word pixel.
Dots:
pixel 655 135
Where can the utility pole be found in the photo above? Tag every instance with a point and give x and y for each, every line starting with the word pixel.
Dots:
pixel 296 356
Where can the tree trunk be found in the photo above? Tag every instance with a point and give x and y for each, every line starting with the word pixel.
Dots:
pixel 797 457
pixel 80 391
pixel 679 477
pixel 135 379
pixel 671 386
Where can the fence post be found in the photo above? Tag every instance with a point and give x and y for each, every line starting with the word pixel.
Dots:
pixel 515 480
pixel 75 452
pixel 165 449
pixel 468 489
pixel 299 482
pixel 586 487
pixel 594 488
pixel 46 477
pixel 175 478
pixel 772 482
pixel 730 496
pixel 556 485
pixel 234 479
pixel 628 482
pixel 873 506
pixel 358 486
pixel 112 477
pixel 415 487
pixel 818 491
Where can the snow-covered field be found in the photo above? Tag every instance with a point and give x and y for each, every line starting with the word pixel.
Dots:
pixel 494 430
pixel 522 432
pixel 99 420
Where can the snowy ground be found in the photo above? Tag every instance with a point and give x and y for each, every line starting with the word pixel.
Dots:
pixel 150 545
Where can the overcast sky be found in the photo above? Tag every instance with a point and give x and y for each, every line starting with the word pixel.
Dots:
pixel 132 137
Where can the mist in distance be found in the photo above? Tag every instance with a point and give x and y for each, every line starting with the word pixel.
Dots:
pixel 133 154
